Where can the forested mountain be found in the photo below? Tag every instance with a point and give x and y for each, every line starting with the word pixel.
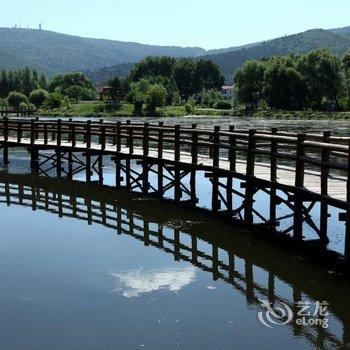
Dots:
pixel 292 44
pixel 336 40
pixel 56 53
pixel 99 76
pixel 341 31
pixel 52 53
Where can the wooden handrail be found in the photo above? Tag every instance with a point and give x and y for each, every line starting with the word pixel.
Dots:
pixel 311 149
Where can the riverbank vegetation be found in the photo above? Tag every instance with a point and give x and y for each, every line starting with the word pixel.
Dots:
pixel 311 86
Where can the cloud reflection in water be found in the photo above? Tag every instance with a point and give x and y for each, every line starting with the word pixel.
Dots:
pixel 136 282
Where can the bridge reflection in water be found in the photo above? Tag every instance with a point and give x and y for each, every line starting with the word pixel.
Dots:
pixel 184 238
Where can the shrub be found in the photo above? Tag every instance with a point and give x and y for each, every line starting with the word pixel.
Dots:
pixel 38 97
pixel 77 93
pixel 54 100
pixel 3 103
pixel 189 108
pixel 14 99
pixel 222 105
pixel 210 97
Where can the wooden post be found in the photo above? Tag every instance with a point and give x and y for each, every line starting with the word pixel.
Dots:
pixel 249 280
pixel 119 137
pixel 299 182
pixel 273 156
pixel 251 153
pixel 131 140
pixel 103 137
pixel 347 224
pixel 216 146
pixel 59 130
pixel 194 156
pixel 45 134
pixel 215 202
pixel 300 162
pixel 273 177
pixel 100 168
pixel 145 145
pixel 324 189
pixel 215 261
pixel 73 135
pixel 160 156
pixel 32 132
pixel 232 161
pixel 37 132
pixel 88 134
pixel 6 129
pixel 232 149
pixel 19 132
pixel 5 147
pixel 177 180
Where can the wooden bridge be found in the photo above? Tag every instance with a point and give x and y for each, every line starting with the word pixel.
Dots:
pixel 4 112
pixel 304 173
pixel 256 273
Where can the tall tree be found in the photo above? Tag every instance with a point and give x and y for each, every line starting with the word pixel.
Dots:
pixel 207 76
pixel 152 67
pixel 184 77
pixel 283 84
pixel 323 77
pixel 249 82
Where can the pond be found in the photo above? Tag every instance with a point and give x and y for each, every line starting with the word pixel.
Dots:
pixel 337 127
pixel 86 267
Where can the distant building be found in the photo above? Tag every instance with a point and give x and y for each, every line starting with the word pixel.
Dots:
pixel 227 91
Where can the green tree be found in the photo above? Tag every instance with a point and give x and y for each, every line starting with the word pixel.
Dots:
pixel 155 97
pixel 54 100
pixel 138 95
pixel 38 97
pixel 323 77
pixel 4 84
pixel 207 76
pixel 249 80
pixel 78 93
pixel 63 82
pixel 184 77
pixel 16 98
pixel 153 67
pixel 283 85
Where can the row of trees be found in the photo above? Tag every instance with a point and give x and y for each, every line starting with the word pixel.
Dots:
pixel 26 88
pixel 318 80
pixel 22 80
pixel 158 81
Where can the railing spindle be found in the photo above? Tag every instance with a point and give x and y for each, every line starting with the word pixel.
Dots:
pixel 251 153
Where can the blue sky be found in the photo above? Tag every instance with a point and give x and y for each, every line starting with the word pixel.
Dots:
pixel 205 23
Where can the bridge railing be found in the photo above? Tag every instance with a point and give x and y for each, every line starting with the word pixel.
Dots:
pixel 224 148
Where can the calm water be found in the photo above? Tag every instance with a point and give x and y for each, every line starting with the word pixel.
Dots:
pixel 86 267
pixel 339 127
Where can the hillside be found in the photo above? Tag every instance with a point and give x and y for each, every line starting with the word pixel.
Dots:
pixel 292 44
pixel 99 76
pixel 55 52
pixel 341 31
pixel 229 59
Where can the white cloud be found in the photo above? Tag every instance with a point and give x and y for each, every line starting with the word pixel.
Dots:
pixel 136 282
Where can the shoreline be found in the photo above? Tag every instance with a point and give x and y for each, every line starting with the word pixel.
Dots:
pixel 89 110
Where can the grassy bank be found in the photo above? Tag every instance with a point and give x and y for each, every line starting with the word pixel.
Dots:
pixel 96 109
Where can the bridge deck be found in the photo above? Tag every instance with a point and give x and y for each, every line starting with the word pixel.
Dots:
pixel 285 174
